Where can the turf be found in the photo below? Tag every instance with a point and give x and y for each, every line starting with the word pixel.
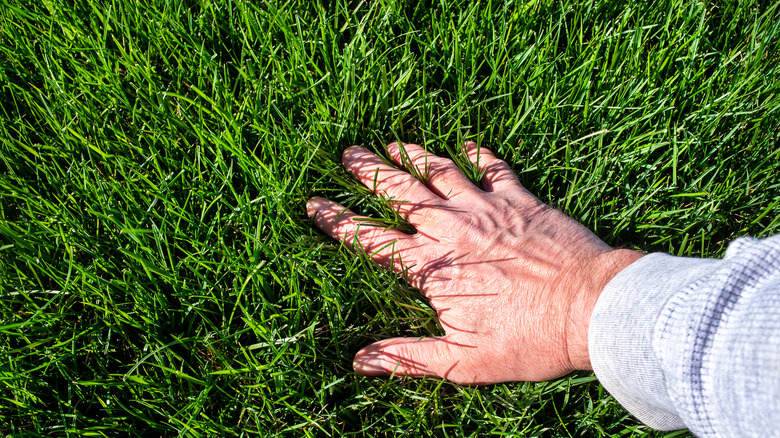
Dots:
pixel 158 274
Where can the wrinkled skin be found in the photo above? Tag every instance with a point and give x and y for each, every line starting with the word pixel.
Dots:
pixel 512 280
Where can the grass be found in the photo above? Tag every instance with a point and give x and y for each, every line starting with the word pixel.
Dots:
pixel 158 274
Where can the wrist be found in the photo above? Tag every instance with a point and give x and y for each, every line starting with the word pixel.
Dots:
pixel 599 272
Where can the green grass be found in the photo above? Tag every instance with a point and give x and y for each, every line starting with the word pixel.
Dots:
pixel 158 274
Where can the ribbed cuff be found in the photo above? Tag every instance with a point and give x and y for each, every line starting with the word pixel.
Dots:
pixel 621 332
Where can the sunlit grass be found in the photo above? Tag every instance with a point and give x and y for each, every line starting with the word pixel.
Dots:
pixel 158 273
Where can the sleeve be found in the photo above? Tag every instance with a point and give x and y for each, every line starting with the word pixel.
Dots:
pixel 695 343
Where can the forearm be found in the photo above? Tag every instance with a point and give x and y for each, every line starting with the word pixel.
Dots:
pixel 679 341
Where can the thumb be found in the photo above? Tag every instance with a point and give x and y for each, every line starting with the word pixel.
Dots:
pixel 414 357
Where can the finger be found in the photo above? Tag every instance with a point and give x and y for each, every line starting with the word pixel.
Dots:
pixel 406 194
pixel 416 357
pixel 387 247
pixel 498 175
pixel 441 175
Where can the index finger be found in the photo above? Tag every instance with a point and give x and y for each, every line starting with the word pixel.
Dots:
pixel 389 248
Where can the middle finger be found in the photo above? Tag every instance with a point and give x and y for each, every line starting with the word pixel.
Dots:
pixel 407 195
pixel 442 176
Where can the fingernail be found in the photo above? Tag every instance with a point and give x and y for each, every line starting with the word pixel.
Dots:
pixel 351 152
pixel 314 205
pixel 369 363
pixel 395 146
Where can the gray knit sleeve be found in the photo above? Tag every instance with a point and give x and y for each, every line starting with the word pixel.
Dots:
pixel 695 343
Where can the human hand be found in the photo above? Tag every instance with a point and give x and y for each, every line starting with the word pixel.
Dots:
pixel 512 280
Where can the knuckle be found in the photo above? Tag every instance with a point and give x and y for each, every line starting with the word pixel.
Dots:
pixel 402 186
pixel 445 171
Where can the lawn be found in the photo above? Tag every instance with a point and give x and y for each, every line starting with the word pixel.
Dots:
pixel 158 273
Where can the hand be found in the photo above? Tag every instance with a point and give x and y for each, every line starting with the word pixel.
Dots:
pixel 512 280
